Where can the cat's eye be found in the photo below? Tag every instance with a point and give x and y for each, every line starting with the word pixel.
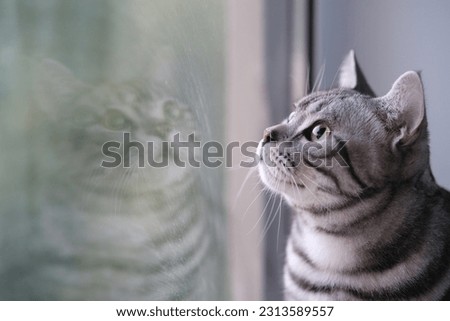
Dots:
pixel 319 131
pixel 116 120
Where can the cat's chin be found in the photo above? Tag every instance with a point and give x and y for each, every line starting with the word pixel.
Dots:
pixel 294 195
pixel 268 179
pixel 274 184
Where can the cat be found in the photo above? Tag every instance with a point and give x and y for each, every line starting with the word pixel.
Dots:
pixel 369 221
pixel 115 233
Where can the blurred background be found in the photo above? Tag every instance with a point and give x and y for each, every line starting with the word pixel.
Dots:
pixel 77 74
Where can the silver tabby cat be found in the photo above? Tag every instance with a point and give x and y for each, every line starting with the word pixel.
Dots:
pixel 370 222
pixel 115 233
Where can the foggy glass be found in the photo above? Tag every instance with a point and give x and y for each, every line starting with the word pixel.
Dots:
pixel 73 76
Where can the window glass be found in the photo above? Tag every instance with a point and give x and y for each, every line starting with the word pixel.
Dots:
pixel 93 204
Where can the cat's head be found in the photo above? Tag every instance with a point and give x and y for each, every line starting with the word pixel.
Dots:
pixel 81 118
pixel 346 141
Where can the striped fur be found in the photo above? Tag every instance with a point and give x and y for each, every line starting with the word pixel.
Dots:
pixel 371 223
pixel 116 233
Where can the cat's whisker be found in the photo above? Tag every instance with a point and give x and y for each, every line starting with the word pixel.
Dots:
pixel 120 187
pixel 247 177
pixel 308 189
pixel 319 79
pixel 253 202
pixel 271 218
pixel 277 186
pixel 310 180
pixel 322 75
pixel 337 73
pixel 256 224
pixel 308 75
pixel 292 180
pixel 279 222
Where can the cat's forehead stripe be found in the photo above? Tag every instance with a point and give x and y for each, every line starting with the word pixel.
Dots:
pixel 317 101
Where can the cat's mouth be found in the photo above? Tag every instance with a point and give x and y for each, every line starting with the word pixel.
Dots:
pixel 272 168
pixel 278 177
pixel 264 150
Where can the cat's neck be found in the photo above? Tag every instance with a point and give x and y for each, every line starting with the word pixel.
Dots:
pixel 379 210
pixel 341 239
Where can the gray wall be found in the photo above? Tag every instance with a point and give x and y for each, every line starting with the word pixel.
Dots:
pixel 389 38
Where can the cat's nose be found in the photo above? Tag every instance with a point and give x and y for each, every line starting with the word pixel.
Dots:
pixel 273 134
pixel 268 136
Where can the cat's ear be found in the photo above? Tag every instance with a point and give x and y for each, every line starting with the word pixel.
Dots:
pixel 406 105
pixel 351 76
pixel 55 84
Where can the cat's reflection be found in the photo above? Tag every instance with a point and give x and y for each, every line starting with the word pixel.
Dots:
pixel 114 233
